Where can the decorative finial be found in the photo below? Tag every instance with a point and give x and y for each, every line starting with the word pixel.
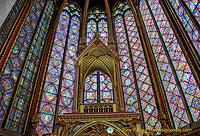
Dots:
pixel 97 34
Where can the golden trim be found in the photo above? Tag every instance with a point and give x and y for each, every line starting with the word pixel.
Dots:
pixel 92 45
pixel 115 116
pixel 120 131
pixel 86 73
pixel 114 108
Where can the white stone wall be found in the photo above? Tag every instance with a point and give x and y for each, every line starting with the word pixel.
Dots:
pixel 5 7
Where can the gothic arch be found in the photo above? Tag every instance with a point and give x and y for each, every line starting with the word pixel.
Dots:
pixel 119 131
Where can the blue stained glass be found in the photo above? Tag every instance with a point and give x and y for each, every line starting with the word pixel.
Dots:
pixel 181 66
pixel 103 31
pixel 91 88
pixel 106 89
pixel 28 82
pixel 90 91
pixel 193 32
pixel 194 6
pixel 96 23
pixel 141 70
pixel 91 31
pixel 15 62
pixel 128 83
pixel 52 78
pixel 69 69
pixel 61 53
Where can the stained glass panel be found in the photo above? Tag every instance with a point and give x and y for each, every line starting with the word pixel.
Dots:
pixel 90 91
pixel 168 79
pixel 194 6
pixel 128 83
pixel 97 22
pixel 187 23
pixel 106 89
pixel 60 76
pixel 98 82
pixel 24 91
pixel 183 71
pixel 16 60
pixel 91 31
pixel 68 78
pixel 49 96
pixel 103 31
pixel 150 111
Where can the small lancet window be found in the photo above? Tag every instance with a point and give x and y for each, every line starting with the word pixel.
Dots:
pixel 98 88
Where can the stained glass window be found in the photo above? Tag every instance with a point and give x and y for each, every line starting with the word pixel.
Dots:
pixel 194 6
pixel 50 92
pixel 8 23
pixel 134 72
pixel 60 76
pixel 103 31
pixel 194 34
pixel 167 61
pixel 14 65
pixel 68 78
pixel 20 106
pixel 98 82
pixel 128 82
pixel 97 22
pixel 90 93
pixel 21 68
pixel 106 89
pixel 91 31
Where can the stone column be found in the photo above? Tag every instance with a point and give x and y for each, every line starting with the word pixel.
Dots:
pixel 84 23
pixel 110 31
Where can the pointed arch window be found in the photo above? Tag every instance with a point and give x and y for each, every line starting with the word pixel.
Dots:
pixel 18 79
pixel 179 83
pixel 98 88
pixel 57 95
pixel 136 82
pixel 97 22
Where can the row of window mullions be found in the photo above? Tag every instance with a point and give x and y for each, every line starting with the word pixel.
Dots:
pixel 133 70
pixel 35 71
pixel 166 52
pixel 23 68
pixel 61 73
pixel 39 51
pixel 187 37
pixel 158 71
pixel 195 54
pixel 192 17
pixel 171 65
pixel 150 75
